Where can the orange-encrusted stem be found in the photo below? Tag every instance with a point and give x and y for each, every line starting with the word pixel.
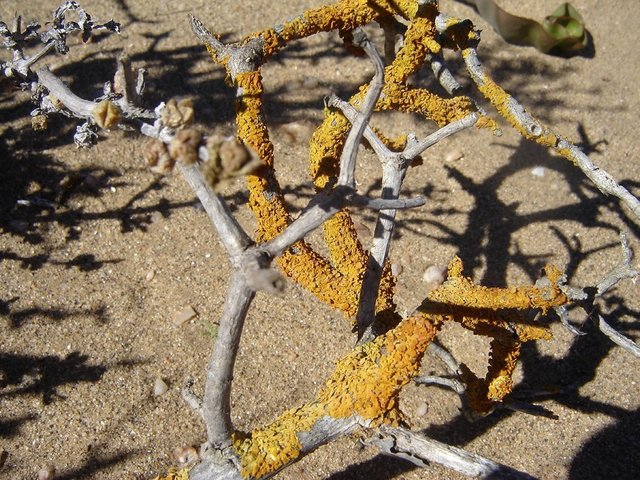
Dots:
pixel 344 15
pixel 509 109
pixel 365 384
pixel 459 291
pixel 300 262
pixel 486 311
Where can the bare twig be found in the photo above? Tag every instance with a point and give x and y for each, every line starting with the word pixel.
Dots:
pixel 455 385
pixel 420 450
pixel 192 399
pixel 216 407
pixel 533 129
pixel 322 207
pixel 623 270
pixel 445 357
pixel 234 238
pixel 79 107
pixel 358 125
pixel 617 338
pixel 394 169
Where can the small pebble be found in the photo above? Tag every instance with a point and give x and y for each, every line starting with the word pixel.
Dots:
pixel 156 217
pixel 310 82
pixel 295 132
pixel 396 269
pixel 422 409
pixel 362 230
pixel 159 387
pixel 184 315
pixel 150 275
pixel 47 473
pixel 453 155
pixel 434 276
pixel 185 455
pixel 538 172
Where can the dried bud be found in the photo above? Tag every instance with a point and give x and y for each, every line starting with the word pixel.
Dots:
pixel 39 122
pixel 178 114
pixel 157 157
pixel 233 156
pixel 184 146
pixel 228 158
pixel 106 114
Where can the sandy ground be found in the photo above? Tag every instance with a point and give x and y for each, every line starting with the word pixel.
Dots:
pixel 90 285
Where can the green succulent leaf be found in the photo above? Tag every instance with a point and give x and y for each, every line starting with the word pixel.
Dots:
pixel 563 32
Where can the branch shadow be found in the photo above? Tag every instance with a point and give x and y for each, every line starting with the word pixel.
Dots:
pixel 18 317
pixel 493 223
pixel 610 453
pixel 10 427
pixel 31 375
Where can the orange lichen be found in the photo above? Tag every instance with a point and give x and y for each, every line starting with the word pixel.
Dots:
pixel 268 449
pixel 367 381
pixel 315 273
pixel 460 291
pixel 490 312
pixel 501 100
pixel 342 16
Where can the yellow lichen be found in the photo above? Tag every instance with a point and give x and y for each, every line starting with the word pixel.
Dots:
pixel 175 474
pixel 462 292
pixel 490 312
pixel 367 381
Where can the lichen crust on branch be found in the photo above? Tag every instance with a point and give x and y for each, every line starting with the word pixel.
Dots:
pixel 496 313
pixel 365 383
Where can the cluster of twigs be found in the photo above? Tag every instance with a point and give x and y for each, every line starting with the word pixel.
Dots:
pixel 363 390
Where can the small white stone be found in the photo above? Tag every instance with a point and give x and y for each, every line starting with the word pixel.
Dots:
pixel 185 455
pixel 422 409
pixel 159 387
pixel 47 473
pixel 434 276
pixel 453 155
pixel 150 275
pixel 184 315
pixel 396 269
pixel 538 171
